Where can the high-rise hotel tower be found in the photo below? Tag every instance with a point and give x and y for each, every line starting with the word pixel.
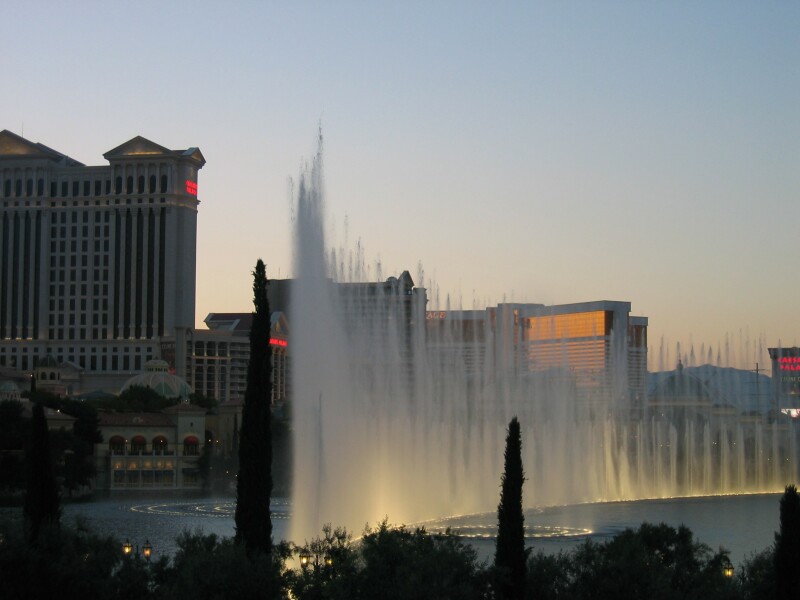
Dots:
pixel 97 264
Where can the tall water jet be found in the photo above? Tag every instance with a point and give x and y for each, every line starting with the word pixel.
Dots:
pixel 388 424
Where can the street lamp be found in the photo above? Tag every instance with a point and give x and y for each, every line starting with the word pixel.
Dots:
pixel 147 550
pixel 127 548
pixel 305 558
pixel 727 568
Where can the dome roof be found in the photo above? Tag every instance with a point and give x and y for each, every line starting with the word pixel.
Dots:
pixel 158 378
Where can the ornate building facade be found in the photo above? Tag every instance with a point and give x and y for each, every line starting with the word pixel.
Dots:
pixel 97 263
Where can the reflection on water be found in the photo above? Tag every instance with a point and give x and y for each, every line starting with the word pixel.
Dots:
pixel 161 520
pixel 742 524
pixel 216 508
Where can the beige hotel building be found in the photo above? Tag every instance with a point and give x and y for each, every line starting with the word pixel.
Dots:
pixel 97 263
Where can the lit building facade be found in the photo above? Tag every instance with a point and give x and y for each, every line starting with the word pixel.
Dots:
pixel 786 380
pixel 598 346
pixel 217 364
pixel 97 263
pixel 158 451
pixel 599 343
pixel 460 340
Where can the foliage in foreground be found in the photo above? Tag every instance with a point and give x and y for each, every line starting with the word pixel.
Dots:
pixel 254 484
pixel 510 555
pixel 653 561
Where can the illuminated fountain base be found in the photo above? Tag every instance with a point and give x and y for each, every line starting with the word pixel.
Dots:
pixel 386 428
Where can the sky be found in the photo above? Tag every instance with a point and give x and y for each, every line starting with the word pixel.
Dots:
pixel 548 152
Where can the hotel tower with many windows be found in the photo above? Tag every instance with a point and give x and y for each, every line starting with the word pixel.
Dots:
pixel 97 263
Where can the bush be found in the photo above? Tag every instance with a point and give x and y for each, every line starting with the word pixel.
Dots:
pixel 653 561
pixel 206 567
pixel 63 563
pixel 400 563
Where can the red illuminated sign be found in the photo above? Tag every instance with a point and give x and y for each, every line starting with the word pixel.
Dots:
pixel 279 343
pixel 191 188
pixel 789 363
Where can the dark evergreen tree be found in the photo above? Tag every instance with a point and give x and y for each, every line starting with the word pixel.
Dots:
pixel 510 555
pixel 787 547
pixel 254 485
pixel 42 507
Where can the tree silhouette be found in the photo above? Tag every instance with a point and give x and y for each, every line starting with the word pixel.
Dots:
pixel 510 555
pixel 42 507
pixel 254 485
pixel 787 546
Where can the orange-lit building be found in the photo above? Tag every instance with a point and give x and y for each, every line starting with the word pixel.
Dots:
pixel 598 346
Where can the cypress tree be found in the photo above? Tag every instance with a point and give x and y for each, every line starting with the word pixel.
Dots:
pixel 254 485
pixel 510 553
pixel 42 507
pixel 787 546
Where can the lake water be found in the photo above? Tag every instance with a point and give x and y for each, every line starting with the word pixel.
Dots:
pixel 743 524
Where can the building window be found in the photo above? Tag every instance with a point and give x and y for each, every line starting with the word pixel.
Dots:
pixel 164 182
pixel 160 445
pixel 138 444
pixel 140 184
pixel 191 446
pixel 129 185
pixel 116 445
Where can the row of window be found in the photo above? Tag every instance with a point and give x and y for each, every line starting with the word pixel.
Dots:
pixel 125 362
pixel 61 217
pixel 140 185
pixel 57 262
pixel 56 232
pixel 159 445
pixel 73 288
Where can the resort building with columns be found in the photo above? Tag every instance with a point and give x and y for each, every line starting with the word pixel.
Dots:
pixel 97 263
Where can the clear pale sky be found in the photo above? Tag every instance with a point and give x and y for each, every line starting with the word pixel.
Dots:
pixel 545 152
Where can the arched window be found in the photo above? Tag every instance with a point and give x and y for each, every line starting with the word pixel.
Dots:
pixel 191 447
pixel 140 184
pixel 129 185
pixel 116 445
pixel 160 444
pixel 118 185
pixel 138 444
pixel 163 184
pixel 152 184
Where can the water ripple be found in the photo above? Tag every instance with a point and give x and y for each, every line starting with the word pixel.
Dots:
pixel 280 509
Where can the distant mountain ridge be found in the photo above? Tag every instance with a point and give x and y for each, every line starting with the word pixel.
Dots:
pixel 746 390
